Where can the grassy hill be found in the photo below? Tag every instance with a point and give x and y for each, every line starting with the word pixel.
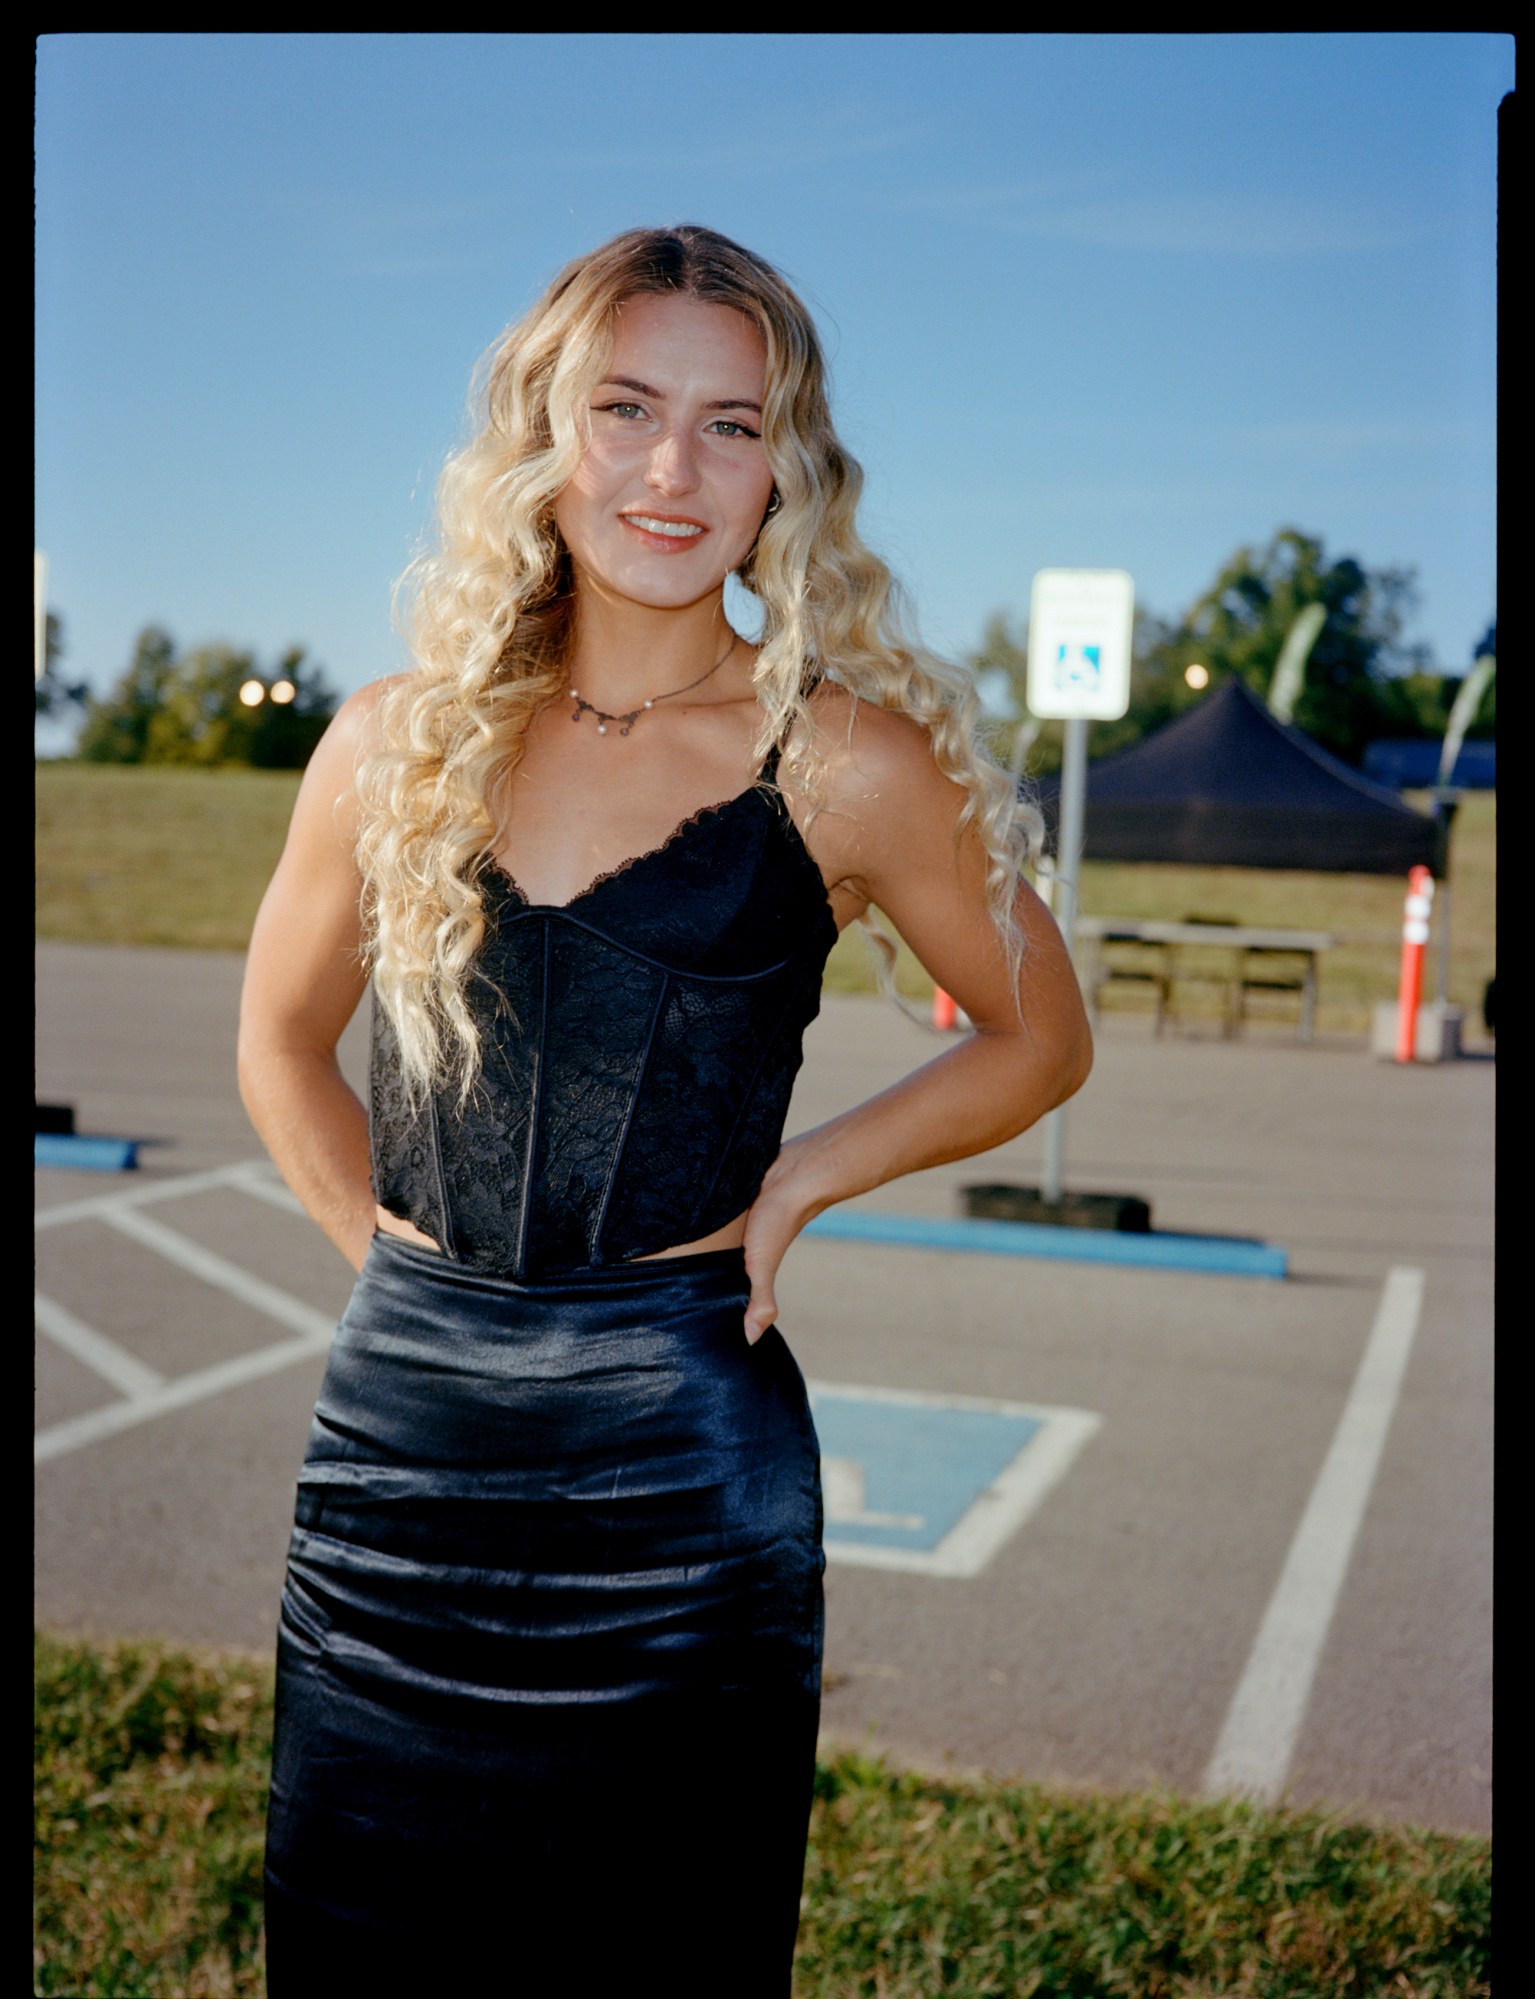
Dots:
pixel 155 855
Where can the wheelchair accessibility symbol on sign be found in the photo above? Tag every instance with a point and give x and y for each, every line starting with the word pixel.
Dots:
pixel 1081 628
pixel 935 1484
pixel 1078 668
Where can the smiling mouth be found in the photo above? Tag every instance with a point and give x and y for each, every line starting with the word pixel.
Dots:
pixel 671 530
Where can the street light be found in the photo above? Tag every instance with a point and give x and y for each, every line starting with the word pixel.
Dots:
pixel 254 692
pixel 1197 676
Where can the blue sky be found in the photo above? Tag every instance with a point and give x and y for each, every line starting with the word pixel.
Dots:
pixel 1120 301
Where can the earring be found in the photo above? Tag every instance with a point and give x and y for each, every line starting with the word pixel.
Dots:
pixel 773 505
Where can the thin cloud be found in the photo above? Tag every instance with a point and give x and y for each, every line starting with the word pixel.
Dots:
pixel 1303 437
pixel 990 200
pixel 1249 225
pixel 812 143
pixel 361 237
pixel 1312 439
pixel 410 267
pixel 1220 225
pixel 339 209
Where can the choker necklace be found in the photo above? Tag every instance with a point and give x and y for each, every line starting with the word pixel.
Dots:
pixel 603 717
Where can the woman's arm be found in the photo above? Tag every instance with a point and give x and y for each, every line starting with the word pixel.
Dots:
pixel 888 836
pixel 303 979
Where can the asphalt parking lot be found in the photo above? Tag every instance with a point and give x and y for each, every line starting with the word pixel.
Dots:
pixel 1102 1525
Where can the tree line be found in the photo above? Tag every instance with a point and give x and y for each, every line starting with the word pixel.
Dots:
pixel 1361 680
pixel 186 708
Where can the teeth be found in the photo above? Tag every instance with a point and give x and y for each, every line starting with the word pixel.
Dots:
pixel 678 530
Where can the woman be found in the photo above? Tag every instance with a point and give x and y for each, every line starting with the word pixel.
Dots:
pixel 549 1660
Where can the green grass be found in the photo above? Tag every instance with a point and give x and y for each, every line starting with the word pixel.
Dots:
pixel 153 855
pixel 1363 913
pixel 917 1888
pixel 147 855
pixel 150 1787
pixel 151 1771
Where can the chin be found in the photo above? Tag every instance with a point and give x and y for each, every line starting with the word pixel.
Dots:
pixel 679 598
pixel 666 592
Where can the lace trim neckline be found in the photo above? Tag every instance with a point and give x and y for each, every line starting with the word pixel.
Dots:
pixel 678 832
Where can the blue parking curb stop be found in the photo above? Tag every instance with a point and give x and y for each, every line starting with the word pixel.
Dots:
pixel 1230 1256
pixel 88 1155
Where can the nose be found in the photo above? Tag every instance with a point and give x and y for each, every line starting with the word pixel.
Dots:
pixel 673 467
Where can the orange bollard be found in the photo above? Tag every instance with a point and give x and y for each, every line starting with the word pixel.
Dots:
pixel 945 1012
pixel 1420 900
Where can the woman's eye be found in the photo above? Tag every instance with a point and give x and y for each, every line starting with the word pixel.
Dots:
pixel 621 409
pixel 728 427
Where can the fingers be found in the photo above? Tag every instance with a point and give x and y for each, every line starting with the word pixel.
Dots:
pixel 771 1226
pixel 760 1313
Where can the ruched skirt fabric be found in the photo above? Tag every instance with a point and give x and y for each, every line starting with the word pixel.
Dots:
pixel 549 1654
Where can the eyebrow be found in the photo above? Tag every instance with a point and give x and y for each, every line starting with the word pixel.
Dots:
pixel 659 395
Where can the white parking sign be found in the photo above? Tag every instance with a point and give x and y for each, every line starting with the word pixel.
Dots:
pixel 1079 644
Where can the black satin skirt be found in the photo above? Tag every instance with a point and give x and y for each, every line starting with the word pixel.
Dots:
pixel 549 1655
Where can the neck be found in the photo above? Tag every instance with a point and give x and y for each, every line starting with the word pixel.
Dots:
pixel 633 652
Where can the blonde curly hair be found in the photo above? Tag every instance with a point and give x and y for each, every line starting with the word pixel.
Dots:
pixel 489 616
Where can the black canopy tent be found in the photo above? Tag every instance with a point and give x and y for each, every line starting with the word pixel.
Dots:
pixel 1225 785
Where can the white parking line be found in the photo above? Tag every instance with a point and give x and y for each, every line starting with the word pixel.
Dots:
pixel 148 1394
pixel 222 1274
pixel 997 1511
pixel 95 1206
pixel 177 1394
pixel 256 1180
pixel 1257 1743
pixel 997 1514
pixel 127 1374
pixel 994 1515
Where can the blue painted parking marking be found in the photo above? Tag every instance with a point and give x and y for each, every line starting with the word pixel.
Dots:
pixel 1229 1256
pixel 902 1477
pixel 84 1154
pixel 935 1484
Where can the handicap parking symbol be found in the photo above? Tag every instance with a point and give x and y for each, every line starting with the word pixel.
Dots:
pixel 1078 668
pixel 935 1484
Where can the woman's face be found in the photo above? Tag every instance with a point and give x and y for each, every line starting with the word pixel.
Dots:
pixel 672 489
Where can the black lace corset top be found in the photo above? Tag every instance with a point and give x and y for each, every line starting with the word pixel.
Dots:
pixel 639 1044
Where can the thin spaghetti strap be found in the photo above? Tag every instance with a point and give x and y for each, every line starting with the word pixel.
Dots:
pixel 769 771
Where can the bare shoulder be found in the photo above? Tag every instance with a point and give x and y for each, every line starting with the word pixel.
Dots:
pixel 877 761
pixel 880 798
pixel 328 799
pixel 355 723
pixel 352 731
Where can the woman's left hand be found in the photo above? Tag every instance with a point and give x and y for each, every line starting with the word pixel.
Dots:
pixel 774 1219
pixel 892 834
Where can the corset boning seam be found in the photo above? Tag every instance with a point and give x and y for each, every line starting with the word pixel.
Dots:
pixel 769 1043
pixel 648 1091
pixel 448 1245
pixel 657 1014
pixel 520 1261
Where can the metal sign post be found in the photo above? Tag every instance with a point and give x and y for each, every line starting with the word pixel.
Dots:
pixel 1080 623
pixel 1068 853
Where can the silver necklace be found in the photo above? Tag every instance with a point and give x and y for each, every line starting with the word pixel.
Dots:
pixel 603 717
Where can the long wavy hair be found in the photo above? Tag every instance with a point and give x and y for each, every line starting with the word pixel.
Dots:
pixel 489 616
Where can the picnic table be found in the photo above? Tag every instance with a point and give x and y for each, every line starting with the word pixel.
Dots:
pixel 1155 952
